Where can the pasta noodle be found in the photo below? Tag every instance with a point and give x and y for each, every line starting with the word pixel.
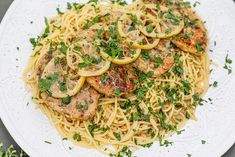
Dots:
pixel 161 107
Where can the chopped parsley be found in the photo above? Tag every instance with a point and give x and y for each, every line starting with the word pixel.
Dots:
pixel 104 78
pixel 104 129
pixel 47 29
pixel 125 152
pixel 140 116
pixel 88 60
pixel 63 84
pixel 170 95
pixel 77 137
pixel 158 61
pixel 56 60
pixel 186 87
pixel 187 115
pixel 180 131
pixel 178 68
pixel 48 142
pixel 140 92
pixel 93 1
pixel 149 28
pixel 92 127
pixel 91 22
pixel 117 91
pixel 199 47
pixel 59 12
pixel 203 141
pixel 34 42
pixel 111 45
pixel 187 4
pixel 166 143
pixel 120 2
pixel 134 18
pixel 148 145
pixel 173 19
pixel 118 136
pixel 198 100
pixel 45 84
pixel 63 47
pixel 215 84
pixel 66 100
pixel 196 3
pixel 189 155
pixel 145 55
pixel 227 64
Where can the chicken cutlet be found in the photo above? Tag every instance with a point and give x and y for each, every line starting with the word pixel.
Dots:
pixel 81 106
pixel 118 79
pixel 157 60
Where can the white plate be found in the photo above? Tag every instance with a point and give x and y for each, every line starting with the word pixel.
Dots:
pixel 30 128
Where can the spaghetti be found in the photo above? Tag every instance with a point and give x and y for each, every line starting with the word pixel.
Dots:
pixel 75 46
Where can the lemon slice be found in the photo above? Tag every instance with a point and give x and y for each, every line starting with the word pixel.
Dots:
pixel 140 41
pixel 83 57
pixel 128 57
pixel 128 22
pixel 63 86
pixel 95 72
pixel 73 56
pixel 132 27
pixel 170 20
pixel 150 25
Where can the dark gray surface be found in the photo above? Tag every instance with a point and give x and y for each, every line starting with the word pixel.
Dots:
pixel 6 138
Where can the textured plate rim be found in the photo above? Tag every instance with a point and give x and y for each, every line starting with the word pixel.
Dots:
pixel 32 152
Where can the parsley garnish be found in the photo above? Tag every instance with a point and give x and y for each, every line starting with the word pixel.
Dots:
pixel 148 145
pixel 104 78
pixel 56 60
pixel 134 18
pixel 227 64
pixel 120 2
pixel 77 137
pixel 45 84
pixel 104 129
pixel 63 84
pixel 118 136
pixel 180 131
pixel 187 4
pixel 91 22
pixel 196 3
pixel 166 143
pixel 199 47
pixel 203 141
pixel 92 127
pixel 66 100
pixel 59 12
pixel 93 1
pixel 34 42
pixel 186 87
pixel 125 152
pixel 149 28
pixel 189 155
pixel 63 47
pixel 47 29
pixel 48 142
pixel 139 116
pixel 117 91
pixel 215 84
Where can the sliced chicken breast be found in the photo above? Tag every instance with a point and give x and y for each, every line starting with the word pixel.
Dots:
pixel 82 106
pixel 117 80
